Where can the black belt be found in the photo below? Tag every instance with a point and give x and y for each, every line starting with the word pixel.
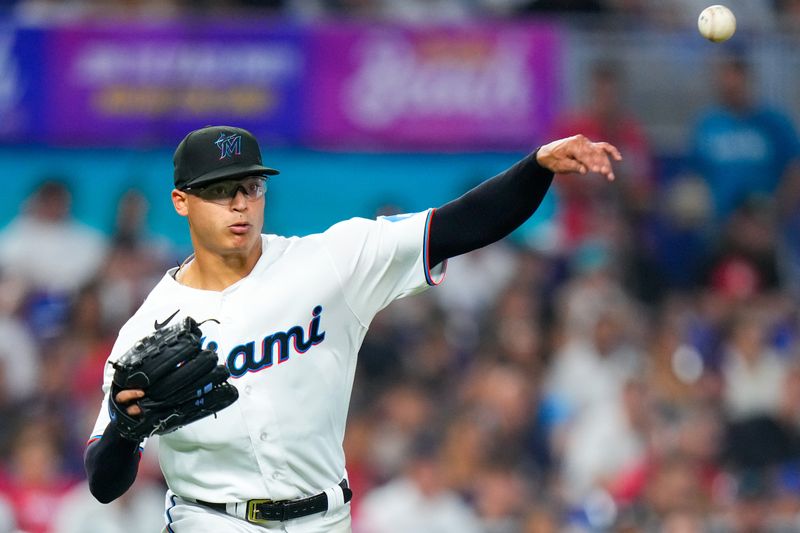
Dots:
pixel 259 511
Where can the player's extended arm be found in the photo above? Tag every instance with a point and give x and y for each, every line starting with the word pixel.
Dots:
pixel 113 461
pixel 498 206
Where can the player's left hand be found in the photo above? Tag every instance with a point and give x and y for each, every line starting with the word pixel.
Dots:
pixel 165 381
pixel 128 398
pixel 579 154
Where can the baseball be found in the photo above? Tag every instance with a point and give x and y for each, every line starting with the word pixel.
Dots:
pixel 716 23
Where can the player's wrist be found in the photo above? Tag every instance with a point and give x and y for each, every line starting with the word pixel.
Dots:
pixel 535 156
pixel 113 432
pixel 537 169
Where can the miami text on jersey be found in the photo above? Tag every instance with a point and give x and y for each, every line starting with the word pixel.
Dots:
pixel 243 358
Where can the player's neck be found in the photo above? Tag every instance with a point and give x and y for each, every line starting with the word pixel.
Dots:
pixel 214 272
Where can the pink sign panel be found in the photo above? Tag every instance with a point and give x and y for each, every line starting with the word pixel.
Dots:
pixel 492 86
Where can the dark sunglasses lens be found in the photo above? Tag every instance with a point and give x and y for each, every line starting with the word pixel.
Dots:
pixel 217 191
pixel 253 189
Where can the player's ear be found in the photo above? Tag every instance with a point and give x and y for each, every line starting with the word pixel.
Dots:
pixel 180 202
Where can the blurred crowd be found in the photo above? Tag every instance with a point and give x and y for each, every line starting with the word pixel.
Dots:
pixel 633 365
pixel 752 14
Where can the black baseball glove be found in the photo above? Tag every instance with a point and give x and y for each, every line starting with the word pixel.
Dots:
pixel 182 383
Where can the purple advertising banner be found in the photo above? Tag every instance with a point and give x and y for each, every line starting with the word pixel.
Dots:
pixel 21 90
pixel 148 84
pixel 478 87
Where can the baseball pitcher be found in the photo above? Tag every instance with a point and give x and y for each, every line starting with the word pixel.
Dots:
pixel 243 358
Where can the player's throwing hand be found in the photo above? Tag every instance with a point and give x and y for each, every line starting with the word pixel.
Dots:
pixel 579 154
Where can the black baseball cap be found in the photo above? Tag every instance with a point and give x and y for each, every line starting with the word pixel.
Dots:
pixel 215 153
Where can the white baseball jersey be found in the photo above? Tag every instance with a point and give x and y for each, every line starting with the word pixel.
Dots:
pixel 289 333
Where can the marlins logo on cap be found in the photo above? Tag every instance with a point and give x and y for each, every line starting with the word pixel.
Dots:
pixel 229 145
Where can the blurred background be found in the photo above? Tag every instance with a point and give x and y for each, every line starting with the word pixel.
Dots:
pixel 628 360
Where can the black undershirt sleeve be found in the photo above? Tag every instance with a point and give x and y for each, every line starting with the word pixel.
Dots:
pixel 489 212
pixel 111 465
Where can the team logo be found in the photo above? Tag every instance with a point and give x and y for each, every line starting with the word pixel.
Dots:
pixel 229 145
pixel 253 357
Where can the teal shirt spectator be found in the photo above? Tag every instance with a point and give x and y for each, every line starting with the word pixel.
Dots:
pixel 740 154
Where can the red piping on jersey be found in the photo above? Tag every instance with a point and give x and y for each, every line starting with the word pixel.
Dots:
pixel 426 252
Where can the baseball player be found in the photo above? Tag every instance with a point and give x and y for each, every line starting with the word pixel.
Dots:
pixel 286 316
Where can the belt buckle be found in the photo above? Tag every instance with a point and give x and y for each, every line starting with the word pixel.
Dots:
pixel 253 511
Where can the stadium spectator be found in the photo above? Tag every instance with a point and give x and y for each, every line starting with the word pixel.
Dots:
pixel 514 334
pixel 418 500
pixel 51 254
pixel 597 353
pixel 465 449
pixel 500 497
pixel 505 401
pixel 753 373
pixel 618 214
pixel 33 479
pixel 674 367
pixel 619 430
pixel 19 352
pixel 673 493
pixel 745 262
pixel 402 412
pixel 740 146
pixel 136 260
pixel 46 231
pixel 606 116
pixel 758 387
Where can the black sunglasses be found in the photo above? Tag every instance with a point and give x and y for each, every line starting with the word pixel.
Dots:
pixel 222 192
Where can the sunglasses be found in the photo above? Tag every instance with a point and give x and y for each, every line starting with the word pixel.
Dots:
pixel 222 192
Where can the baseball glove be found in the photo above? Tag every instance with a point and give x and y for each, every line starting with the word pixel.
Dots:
pixel 182 382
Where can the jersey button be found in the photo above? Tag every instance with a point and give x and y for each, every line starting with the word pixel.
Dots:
pixel 263 436
pixel 248 389
pixel 276 475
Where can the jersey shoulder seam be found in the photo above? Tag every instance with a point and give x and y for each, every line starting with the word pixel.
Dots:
pixel 341 284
